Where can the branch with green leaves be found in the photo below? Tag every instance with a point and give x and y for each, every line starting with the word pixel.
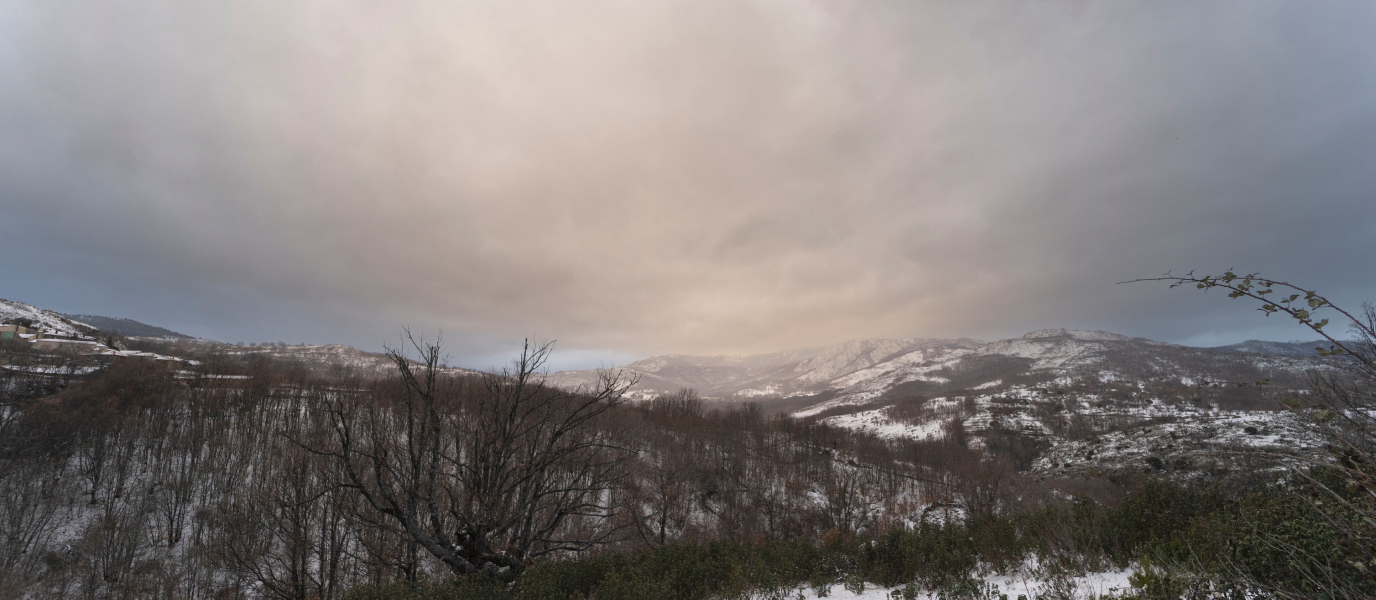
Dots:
pixel 1302 305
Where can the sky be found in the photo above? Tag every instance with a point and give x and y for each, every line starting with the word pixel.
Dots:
pixel 632 178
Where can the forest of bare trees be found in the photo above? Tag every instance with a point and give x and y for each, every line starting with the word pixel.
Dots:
pixel 252 478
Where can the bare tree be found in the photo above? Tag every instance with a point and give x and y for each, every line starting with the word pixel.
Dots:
pixel 29 509
pixel 664 492
pixel 484 474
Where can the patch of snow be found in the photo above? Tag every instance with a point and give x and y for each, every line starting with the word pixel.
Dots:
pixel 879 423
pixel 769 390
pixel 43 320
pixel 1090 585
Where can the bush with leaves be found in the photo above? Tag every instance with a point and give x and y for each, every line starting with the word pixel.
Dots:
pixel 1320 539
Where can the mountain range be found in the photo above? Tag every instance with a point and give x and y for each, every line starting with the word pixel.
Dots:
pixel 1078 401
pixel 862 370
pixel 1059 401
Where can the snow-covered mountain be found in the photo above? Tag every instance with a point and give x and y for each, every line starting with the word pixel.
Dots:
pixel 781 374
pixel 325 358
pixel 1057 401
pixel 861 371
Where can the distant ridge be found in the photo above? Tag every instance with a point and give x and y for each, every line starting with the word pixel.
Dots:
pixel 859 372
pixel 126 327
pixel 1275 348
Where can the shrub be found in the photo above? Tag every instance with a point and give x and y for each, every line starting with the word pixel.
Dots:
pixel 1277 541
pixel 935 555
pixel 1158 512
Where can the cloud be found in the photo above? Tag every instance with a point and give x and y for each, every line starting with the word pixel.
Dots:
pixel 703 176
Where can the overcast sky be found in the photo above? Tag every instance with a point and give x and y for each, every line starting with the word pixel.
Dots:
pixel 684 176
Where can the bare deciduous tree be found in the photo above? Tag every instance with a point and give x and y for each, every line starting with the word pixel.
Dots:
pixel 483 473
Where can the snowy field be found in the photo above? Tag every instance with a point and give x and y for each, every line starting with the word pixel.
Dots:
pixel 1092 585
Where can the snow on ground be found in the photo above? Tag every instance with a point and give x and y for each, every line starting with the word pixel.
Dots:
pixel 42 319
pixel 1092 585
pixel 853 400
pixel 884 375
pixel 53 369
pixel 863 371
pixel 1142 433
pixel 1196 442
pixel 768 390
pixel 878 423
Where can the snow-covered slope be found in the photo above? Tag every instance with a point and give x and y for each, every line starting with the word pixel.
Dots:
pixel 862 371
pixel 321 357
pixel 43 320
pixel 776 375
pixel 1070 401
pixel 1048 354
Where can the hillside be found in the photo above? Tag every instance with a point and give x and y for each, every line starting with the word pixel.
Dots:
pixel 765 376
pixel 330 356
pixel 1057 401
pixel 320 358
pixel 159 341
pixel 861 371
pixel 1295 348
pixel 37 318
pixel 126 327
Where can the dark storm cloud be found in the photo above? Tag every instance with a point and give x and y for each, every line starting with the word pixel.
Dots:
pixel 703 176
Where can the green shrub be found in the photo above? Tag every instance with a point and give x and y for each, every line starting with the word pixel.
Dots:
pixel 999 541
pixel 573 578
pixel 478 587
pixel 931 554
pixel 1159 513
pixel 1276 540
